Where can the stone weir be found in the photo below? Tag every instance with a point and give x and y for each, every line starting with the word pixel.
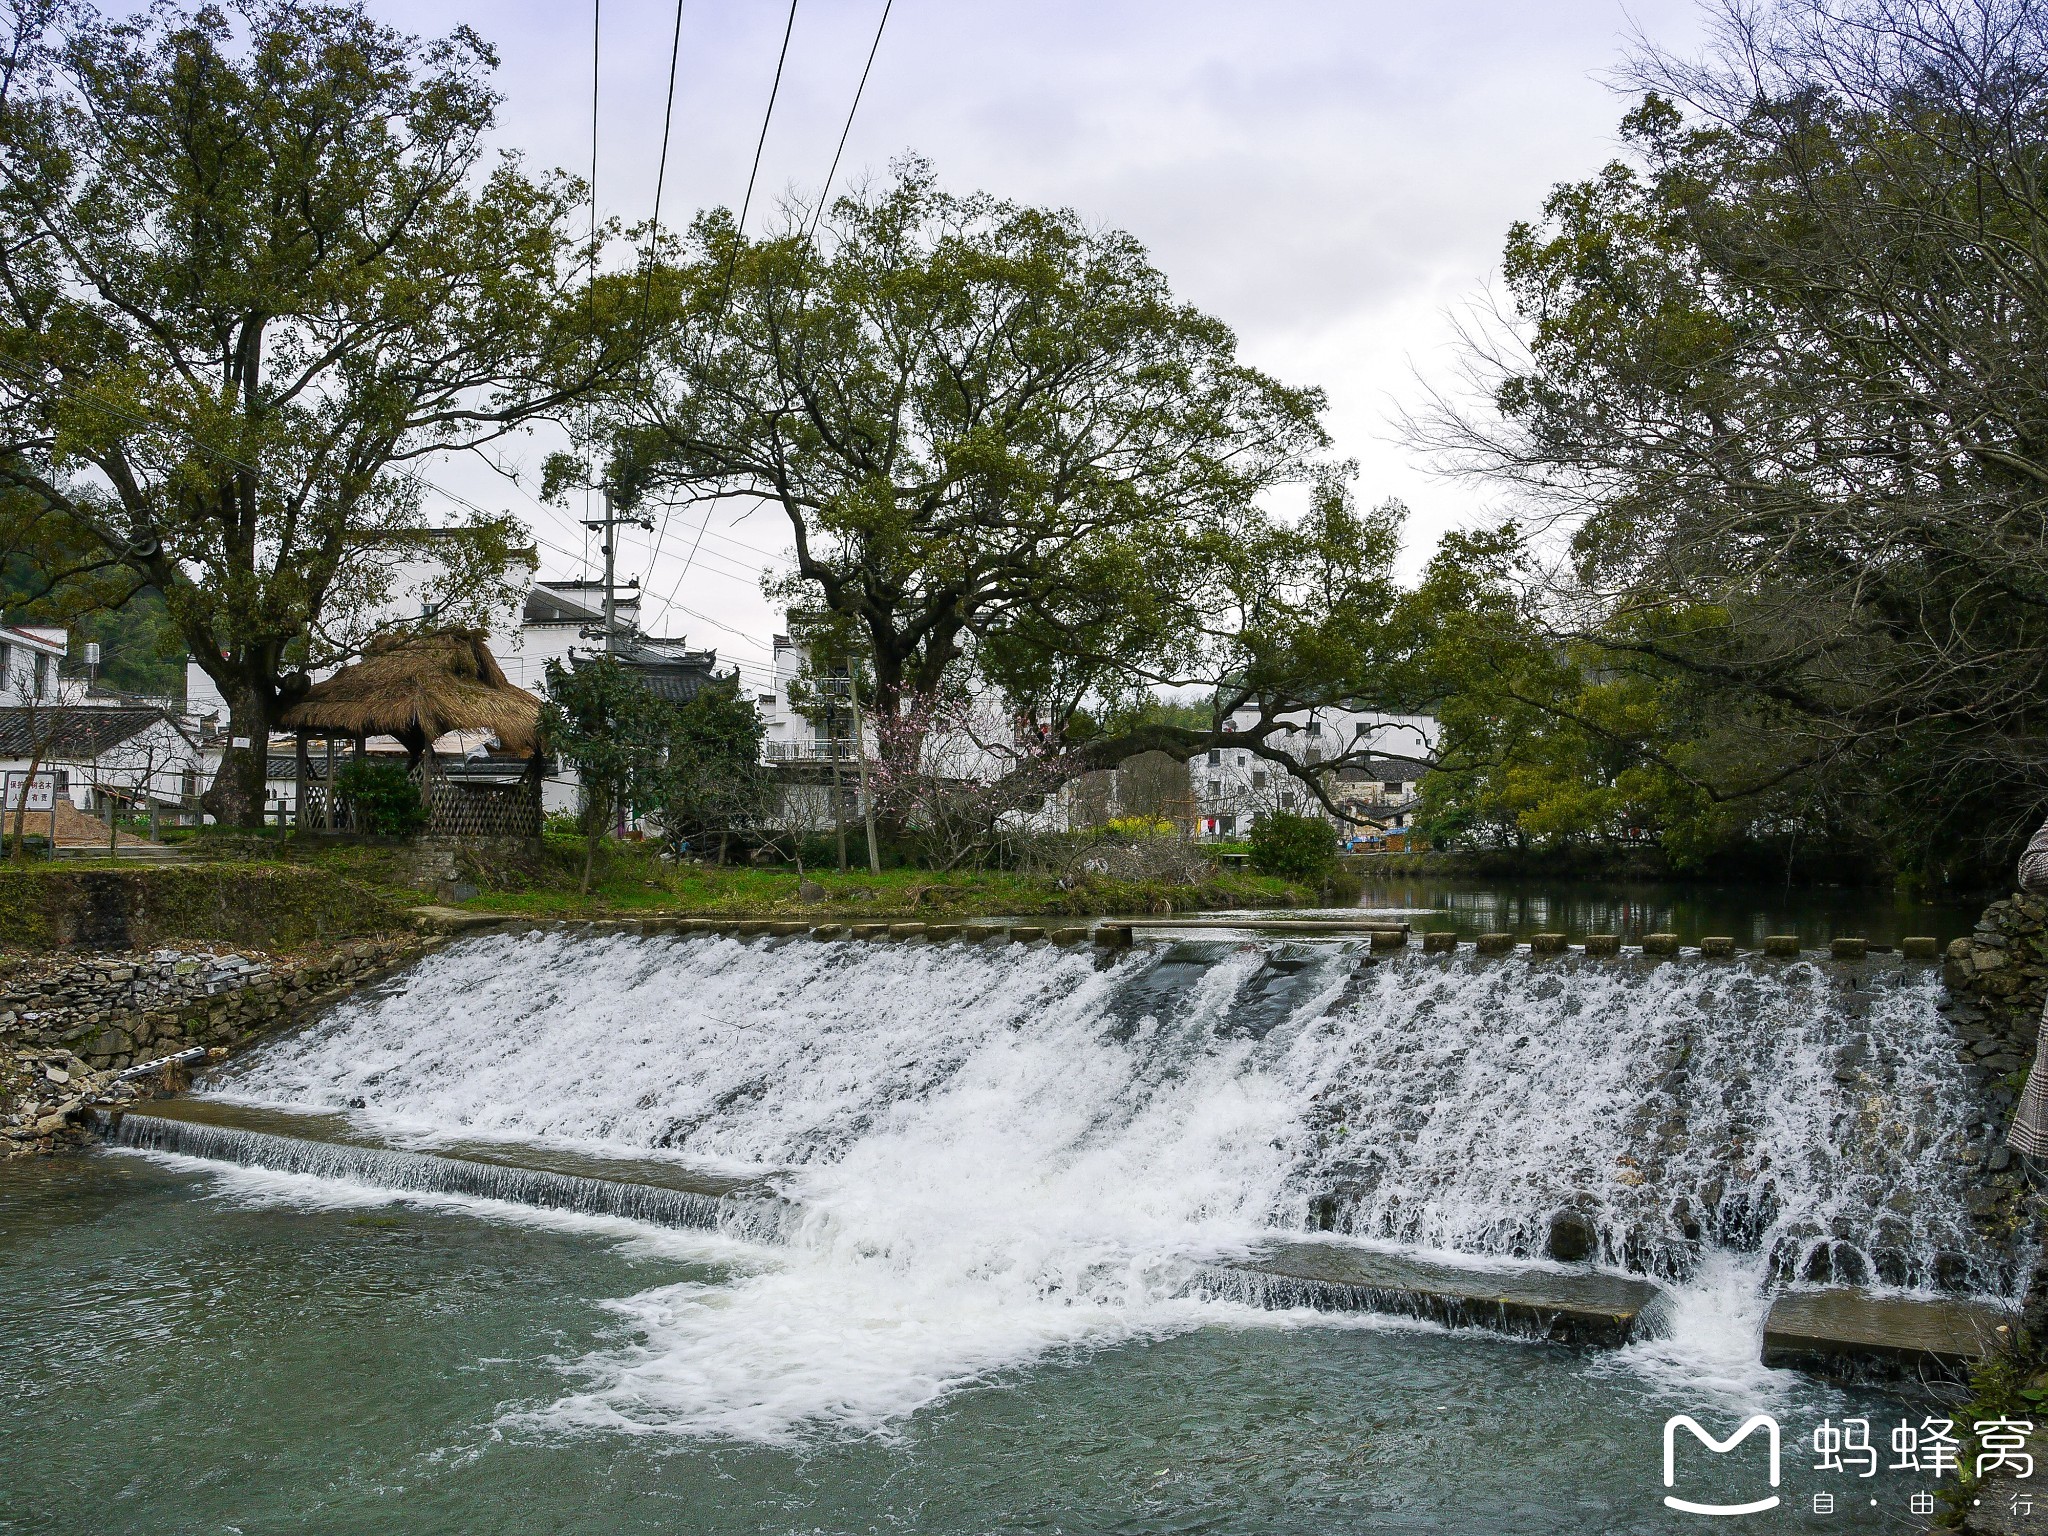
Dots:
pixel 637 1189
pixel 1838 1331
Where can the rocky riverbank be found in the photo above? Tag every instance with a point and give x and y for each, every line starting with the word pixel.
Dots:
pixel 71 1024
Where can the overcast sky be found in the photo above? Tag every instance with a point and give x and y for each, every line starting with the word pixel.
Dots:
pixel 1332 179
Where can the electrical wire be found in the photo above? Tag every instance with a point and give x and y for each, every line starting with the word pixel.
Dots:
pixel 590 290
pixel 725 286
pixel 668 112
pixel 739 229
pixel 825 191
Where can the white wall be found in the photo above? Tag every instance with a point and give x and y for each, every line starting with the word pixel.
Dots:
pixel 28 668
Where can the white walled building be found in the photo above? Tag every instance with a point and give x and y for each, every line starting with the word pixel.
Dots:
pixel 133 754
pixel 30 655
pixel 1232 785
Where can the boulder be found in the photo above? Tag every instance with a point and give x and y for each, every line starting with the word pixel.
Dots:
pixel 1573 1238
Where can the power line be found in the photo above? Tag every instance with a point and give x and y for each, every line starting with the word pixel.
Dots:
pixel 824 194
pixel 725 287
pixel 825 191
pixel 668 112
pixel 774 90
pixel 590 289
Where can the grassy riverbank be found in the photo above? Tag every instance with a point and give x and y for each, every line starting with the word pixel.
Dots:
pixel 630 878
pixel 895 892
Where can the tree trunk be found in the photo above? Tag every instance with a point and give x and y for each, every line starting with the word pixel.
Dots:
pixel 236 798
pixel 595 813
pixel 35 763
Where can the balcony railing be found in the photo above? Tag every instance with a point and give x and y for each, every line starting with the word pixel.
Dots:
pixel 807 751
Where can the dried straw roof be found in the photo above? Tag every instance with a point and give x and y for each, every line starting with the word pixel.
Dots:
pixel 422 685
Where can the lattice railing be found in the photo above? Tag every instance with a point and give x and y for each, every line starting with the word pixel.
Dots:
pixel 483 810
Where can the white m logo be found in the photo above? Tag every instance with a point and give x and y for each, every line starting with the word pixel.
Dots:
pixel 1761 1421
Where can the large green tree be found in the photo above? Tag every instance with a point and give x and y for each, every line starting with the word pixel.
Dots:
pixel 1782 368
pixel 253 265
pixel 1005 450
pixel 712 781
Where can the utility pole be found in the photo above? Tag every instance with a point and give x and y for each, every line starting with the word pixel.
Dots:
pixel 608 525
pixel 611 621
pixel 867 800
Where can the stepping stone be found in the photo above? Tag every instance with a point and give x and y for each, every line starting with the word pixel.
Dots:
pixel 1569 1306
pixel 1844 1331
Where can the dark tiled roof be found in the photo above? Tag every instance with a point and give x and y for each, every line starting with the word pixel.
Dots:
pixel 669 670
pixel 75 731
pixel 1385 770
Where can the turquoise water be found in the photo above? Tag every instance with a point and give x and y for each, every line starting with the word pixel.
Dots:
pixel 192 1349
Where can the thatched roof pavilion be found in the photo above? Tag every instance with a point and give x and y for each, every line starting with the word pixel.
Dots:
pixel 417 688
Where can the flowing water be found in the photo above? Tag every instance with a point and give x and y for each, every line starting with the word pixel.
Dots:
pixel 974 1306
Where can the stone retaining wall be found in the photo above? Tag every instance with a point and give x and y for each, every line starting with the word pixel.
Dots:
pixel 1997 977
pixel 69 1023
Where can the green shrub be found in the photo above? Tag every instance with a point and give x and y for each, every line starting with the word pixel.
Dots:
pixel 1293 847
pixel 381 797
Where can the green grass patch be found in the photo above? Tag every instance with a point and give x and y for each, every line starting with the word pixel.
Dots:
pixel 544 880
pixel 628 885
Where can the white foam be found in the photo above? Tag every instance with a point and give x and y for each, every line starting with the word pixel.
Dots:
pixel 238 1184
pixel 1008 1153
pixel 1708 1343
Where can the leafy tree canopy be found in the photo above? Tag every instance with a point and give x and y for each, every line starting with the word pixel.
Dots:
pixel 1004 449
pixel 1780 372
pixel 252 265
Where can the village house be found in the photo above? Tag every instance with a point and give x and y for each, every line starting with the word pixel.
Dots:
pixel 1232 785
pixel 30 657
pixel 137 758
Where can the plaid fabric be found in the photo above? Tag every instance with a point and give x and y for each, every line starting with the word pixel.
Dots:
pixel 2034 864
pixel 2029 1133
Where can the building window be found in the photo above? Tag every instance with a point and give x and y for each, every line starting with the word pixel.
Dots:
pixel 1315 728
pixel 1392 788
pixel 1215 757
pixel 1258 780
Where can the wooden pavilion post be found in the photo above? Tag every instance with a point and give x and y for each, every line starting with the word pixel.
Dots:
pixel 362 746
pixel 302 771
pixel 327 796
pixel 427 777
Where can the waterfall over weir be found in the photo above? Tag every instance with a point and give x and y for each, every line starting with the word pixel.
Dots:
pixel 999 1151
